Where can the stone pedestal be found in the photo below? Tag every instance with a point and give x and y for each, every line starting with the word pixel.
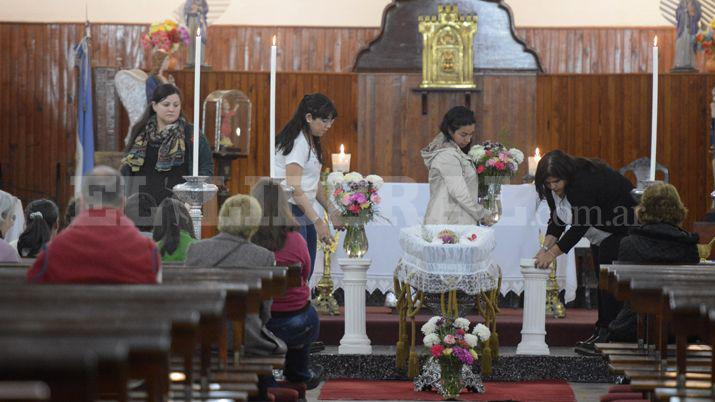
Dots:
pixel 533 330
pixel 355 340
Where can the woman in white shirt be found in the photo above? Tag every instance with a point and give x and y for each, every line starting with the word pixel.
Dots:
pixel 299 159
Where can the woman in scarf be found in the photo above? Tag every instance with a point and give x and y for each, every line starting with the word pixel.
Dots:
pixel 160 149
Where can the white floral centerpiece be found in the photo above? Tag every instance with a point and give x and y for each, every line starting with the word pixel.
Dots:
pixel 494 162
pixel 356 197
pixel 453 351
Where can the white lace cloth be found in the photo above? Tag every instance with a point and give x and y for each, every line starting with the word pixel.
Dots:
pixel 436 268
pixel 516 235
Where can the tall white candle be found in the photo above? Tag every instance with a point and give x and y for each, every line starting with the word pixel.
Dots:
pixel 272 149
pixel 654 112
pixel 197 96
pixel 245 57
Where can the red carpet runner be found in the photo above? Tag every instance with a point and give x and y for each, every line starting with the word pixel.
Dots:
pixel 530 391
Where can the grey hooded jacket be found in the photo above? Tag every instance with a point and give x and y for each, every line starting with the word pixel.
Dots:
pixel 453 185
pixel 228 251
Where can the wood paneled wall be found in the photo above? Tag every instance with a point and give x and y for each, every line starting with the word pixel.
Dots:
pixel 601 50
pixel 37 95
pixel 341 88
pixel 392 128
pixel 598 50
pixel 608 117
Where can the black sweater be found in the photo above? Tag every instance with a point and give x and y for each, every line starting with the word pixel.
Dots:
pixel 600 198
pixel 659 243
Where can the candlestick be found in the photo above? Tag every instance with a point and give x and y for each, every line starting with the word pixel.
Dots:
pixel 197 96
pixel 272 149
pixel 654 112
pixel 341 161
pixel 533 162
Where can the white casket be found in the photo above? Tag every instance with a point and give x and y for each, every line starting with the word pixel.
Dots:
pixel 433 267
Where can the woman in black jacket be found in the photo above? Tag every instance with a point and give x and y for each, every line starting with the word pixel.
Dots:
pixel 595 202
pixel 658 240
pixel 160 149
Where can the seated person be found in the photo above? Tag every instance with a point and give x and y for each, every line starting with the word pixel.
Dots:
pixel 140 209
pixel 7 219
pixel 102 245
pixel 238 219
pixel 659 240
pixel 293 318
pixel 173 230
pixel 41 224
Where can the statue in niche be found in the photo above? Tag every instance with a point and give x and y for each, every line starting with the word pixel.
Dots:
pixel 195 17
pixel 687 17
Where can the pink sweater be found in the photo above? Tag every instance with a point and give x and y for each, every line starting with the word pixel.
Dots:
pixel 295 250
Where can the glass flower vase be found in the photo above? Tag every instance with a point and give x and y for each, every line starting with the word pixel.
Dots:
pixel 450 378
pixel 491 200
pixel 355 242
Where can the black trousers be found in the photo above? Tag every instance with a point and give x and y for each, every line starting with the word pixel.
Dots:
pixel 606 253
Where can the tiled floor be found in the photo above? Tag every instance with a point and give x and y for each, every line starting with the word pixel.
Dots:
pixel 584 392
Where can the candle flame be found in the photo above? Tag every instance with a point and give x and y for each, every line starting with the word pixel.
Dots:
pixel 537 154
pixel 655 41
pixel 342 149
pixel 198 31
pixel 274 40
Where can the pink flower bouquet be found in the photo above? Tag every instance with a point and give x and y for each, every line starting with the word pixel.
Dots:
pixel 355 196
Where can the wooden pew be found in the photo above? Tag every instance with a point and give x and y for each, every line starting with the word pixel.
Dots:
pixel 677 293
pixel 24 391
pixel 130 300
pixel 68 368
pixel 216 279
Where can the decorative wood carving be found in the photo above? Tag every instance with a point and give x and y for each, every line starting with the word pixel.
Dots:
pixel 399 45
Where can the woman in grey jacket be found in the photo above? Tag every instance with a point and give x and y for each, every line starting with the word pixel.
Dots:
pixel 452 177
pixel 238 220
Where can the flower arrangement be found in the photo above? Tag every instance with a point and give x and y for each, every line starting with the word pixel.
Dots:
pixel 166 36
pixel 704 39
pixel 452 345
pixel 355 196
pixel 448 237
pixel 495 159
pixel 493 162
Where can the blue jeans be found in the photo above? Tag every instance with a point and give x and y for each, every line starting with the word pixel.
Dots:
pixel 307 230
pixel 298 331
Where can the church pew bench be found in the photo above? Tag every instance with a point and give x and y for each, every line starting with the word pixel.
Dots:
pixel 134 299
pixel 73 369
pixel 638 283
pixel 24 391
pixel 148 342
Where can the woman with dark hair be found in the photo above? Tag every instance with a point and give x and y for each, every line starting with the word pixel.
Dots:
pixel 160 148
pixel 452 177
pixel 173 230
pixel 41 217
pixel 596 202
pixel 299 158
pixel 293 318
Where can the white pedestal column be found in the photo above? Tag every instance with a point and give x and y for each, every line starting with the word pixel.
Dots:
pixel 355 340
pixel 533 329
